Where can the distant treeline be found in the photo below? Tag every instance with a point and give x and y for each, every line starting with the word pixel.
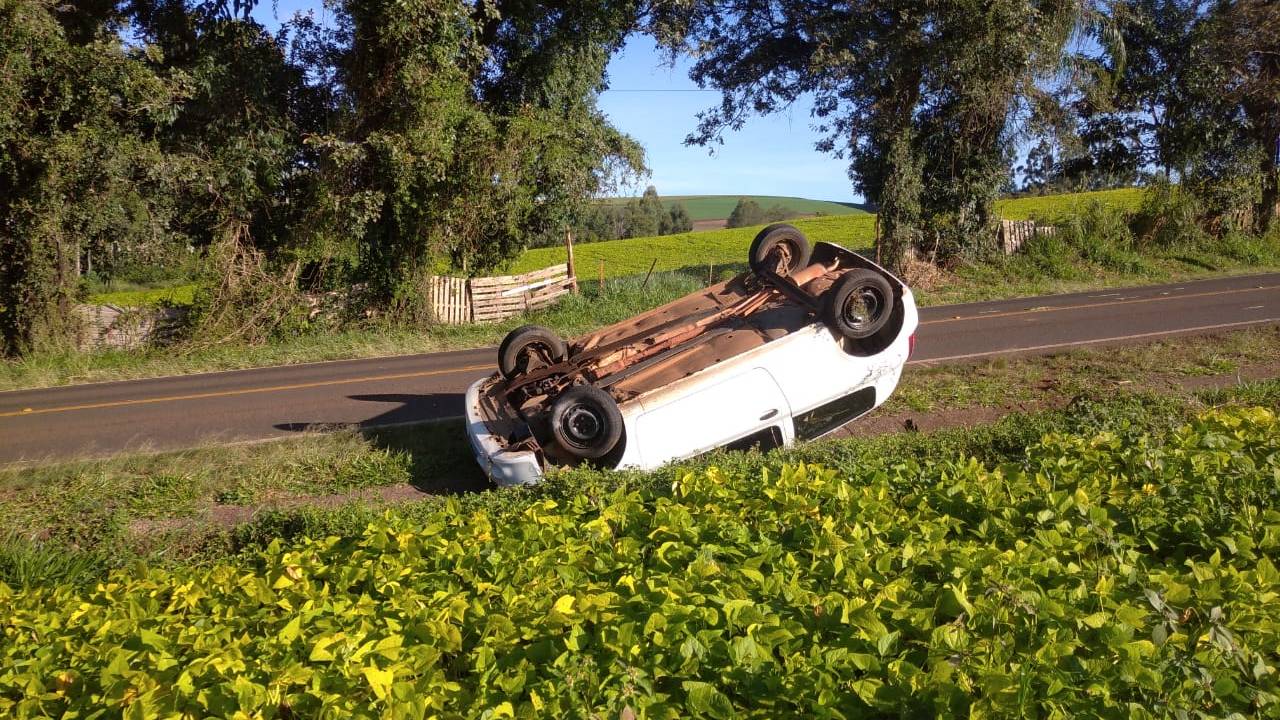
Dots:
pixel 645 216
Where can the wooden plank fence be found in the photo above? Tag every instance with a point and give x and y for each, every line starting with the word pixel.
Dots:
pixel 1014 233
pixel 459 300
pixel 450 300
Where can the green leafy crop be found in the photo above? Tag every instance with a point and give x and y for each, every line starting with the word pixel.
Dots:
pixel 1107 576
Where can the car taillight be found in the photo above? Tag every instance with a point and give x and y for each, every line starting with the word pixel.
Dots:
pixel 911 345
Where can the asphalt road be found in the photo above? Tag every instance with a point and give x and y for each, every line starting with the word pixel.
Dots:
pixel 182 411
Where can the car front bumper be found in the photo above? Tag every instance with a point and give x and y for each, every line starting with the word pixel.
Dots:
pixel 505 467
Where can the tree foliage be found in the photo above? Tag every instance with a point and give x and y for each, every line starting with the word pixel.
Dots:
pixel 473 128
pixel 646 216
pixel 899 87
pixel 403 139
pixel 748 212
pixel 1194 98
pixel 81 165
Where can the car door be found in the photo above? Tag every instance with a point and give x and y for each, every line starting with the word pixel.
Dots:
pixel 710 417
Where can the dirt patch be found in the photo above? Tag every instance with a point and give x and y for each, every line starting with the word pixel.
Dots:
pixel 232 515
pixel 701 225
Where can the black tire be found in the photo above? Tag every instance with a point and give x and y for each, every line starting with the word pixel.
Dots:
pixel 779 247
pixel 586 422
pixel 858 305
pixel 529 344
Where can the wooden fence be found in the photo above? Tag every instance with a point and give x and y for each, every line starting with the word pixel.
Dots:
pixel 450 300
pixel 1013 233
pixel 460 300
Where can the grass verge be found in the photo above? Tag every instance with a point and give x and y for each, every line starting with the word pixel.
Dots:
pixel 1164 366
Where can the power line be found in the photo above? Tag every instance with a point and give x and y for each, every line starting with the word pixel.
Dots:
pixel 641 90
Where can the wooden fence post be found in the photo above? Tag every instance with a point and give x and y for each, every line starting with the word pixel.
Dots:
pixel 568 248
pixel 652 265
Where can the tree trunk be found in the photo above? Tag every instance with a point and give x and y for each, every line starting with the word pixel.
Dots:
pixel 1266 211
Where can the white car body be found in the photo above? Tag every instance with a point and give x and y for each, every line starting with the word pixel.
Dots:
pixel 772 395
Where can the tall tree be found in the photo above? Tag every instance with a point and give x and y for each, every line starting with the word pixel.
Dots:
pixel 80 162
pixel 919 97
pixel 1246 37
pixel 472 127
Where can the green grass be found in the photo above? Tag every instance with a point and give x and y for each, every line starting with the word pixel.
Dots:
pixel 719 207
pixel 1027 382
pixel 690 251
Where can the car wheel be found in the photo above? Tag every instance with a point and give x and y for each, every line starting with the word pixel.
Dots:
pixel 858 305
pixel 528 348
pixel 586 422
pixel 781 248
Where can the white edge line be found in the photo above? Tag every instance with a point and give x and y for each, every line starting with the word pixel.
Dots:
pixel 1094 341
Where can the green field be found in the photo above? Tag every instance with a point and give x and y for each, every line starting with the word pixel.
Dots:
pixel 696 249
pixel 728 248
pixel 718 207
pixel 176 295
pixel 1055 208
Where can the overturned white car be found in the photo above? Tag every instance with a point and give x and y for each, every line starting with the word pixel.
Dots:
pixel 799 346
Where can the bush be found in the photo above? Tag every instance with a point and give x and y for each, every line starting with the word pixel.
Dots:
pixel 1248 249
pixel 1101 235
pixel 1170 216
pixel 1114 575
pixel 1051 255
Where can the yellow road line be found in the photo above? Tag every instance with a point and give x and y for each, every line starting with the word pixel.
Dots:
pixel 1035 311
pixel 245 391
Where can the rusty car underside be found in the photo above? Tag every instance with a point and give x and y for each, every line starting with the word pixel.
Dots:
pixel 671 342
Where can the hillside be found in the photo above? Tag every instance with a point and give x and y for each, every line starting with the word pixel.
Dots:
pixel 728 247
pixel 718 207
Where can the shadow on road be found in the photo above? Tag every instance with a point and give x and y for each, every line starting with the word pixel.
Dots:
pixel 428 429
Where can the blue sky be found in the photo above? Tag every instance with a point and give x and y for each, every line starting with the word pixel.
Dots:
pixel 658 106
pixel 772 155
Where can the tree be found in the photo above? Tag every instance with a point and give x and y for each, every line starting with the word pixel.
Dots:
pixel 745 214
pixel 80 163
pixel 473 126
pixel 1194 98
pixel 678 220
pixel 1246 42
pixel 900 88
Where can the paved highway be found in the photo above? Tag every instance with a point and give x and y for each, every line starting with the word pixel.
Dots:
pixel 175 412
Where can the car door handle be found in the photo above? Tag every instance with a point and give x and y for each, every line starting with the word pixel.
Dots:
pixel 769 414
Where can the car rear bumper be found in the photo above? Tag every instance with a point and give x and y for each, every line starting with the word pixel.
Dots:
pixel 505 467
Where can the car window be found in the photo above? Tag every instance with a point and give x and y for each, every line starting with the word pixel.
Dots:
pixel 825 418
pixel 763 440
